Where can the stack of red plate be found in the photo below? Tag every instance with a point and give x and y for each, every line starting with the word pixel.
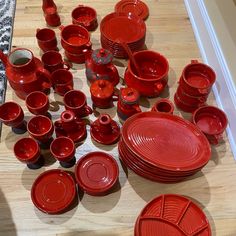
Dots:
pixel 172 214
pixel 163 147
pixel 121 27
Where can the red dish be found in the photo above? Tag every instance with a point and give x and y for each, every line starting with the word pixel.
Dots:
pixel 137 8
pixel 53 191
pixel 96 173
pixel 167 141
pixel 172 214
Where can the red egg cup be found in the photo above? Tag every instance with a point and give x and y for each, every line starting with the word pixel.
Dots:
pixel 104 130
pixel 211 121
pixel 71 127
pixel 63 149
pixel 11 114
pixel 41 128
pixel 38 103
pixel 27 151
pixel 75 100
pixel 85 16
pixel 46 39
pixel 163 105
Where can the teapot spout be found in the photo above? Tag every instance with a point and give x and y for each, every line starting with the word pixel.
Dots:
pixel 3 58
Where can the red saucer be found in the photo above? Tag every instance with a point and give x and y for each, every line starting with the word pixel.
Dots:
pixel 138 8
pixel 96 173
pixel 53 191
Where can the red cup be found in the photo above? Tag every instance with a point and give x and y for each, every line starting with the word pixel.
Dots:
pixel 52 61
pixel 37 103
pixel 74 38
pixel 41 128
pixel 75 101
pixel 46 39
pixel 197 79
pixel 27 151
pixel 163 105
pixel 154 69
pixel 11 114
pixel 85 16
pixel 211 121
pixel 63 149
pixel 62 81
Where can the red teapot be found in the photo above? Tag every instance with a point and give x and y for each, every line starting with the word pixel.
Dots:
pixel 25 72
pixel 99 66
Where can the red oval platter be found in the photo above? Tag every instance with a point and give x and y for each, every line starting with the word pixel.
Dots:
pixel 53 191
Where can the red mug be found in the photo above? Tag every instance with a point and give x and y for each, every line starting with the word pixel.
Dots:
pixel 163 105
pixel 85 16
pixel 11 114
pixel 27 151
pixel 62 81
pixel 63 149
pixel 46 39
pixel 37 103
pixel 75 100
pixel 211 121
pixel 40 128
pixel 52 61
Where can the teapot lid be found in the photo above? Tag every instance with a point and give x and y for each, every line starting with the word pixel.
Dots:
pixel 102 88
pixel 102 56
pixel 129 95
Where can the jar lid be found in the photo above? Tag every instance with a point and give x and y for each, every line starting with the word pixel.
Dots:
pixel 129 95
pixel 102 88
pixel 102 56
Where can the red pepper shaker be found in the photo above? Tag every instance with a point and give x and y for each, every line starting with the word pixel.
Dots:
pixel 50 13
pixel 128 103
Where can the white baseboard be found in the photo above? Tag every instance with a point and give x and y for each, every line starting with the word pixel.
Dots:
pixel 212 54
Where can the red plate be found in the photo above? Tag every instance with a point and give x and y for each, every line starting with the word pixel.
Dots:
pixel 96 173
pixel 138 8
pixel 122 27
pixel 53 191
pixel 172 214
pixel 167 141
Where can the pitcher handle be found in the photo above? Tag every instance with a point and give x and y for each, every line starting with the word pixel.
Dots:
pixel 3 58
pixel 45 77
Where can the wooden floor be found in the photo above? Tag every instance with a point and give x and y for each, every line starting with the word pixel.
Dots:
pixel 169 32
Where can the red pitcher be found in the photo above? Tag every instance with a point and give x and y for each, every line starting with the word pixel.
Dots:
pixel 25 72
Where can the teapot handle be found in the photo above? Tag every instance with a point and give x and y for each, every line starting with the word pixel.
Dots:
pixel 44 77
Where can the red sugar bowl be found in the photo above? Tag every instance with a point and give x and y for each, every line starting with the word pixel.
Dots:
pixel 163 105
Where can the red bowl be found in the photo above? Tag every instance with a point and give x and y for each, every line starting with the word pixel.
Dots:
pixel 41 128
pixel 63 149
pixel 27 150
pixel 163 105
pixel 37 103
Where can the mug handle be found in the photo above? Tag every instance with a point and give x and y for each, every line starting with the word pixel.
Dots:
pixel 66 65
pixel 88 110
pixel 45 77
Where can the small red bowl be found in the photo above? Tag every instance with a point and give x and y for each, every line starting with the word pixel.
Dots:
pixel 37 103
pixel 41 128
pixel 163 105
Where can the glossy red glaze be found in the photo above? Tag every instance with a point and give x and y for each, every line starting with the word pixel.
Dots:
pixel 62 81
pixel 76 58
pixel 11 114
pixel 163 105
pixel 25 73
pixel 74 38
pixel 154 70
pixel 96 173
pixel 53 19
pixel 85 16
pixel 53 191
pixel 137 8
pixel 49 7
pixel 71 127
pixel 46 39
pixel 40 128
pixel 99 66
pixel 27 150
pixel 211 121
pixel 102 94
pixel 52 61
pixel 75 100
pixel 37 103
pixel 104 130
pixel 63 149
